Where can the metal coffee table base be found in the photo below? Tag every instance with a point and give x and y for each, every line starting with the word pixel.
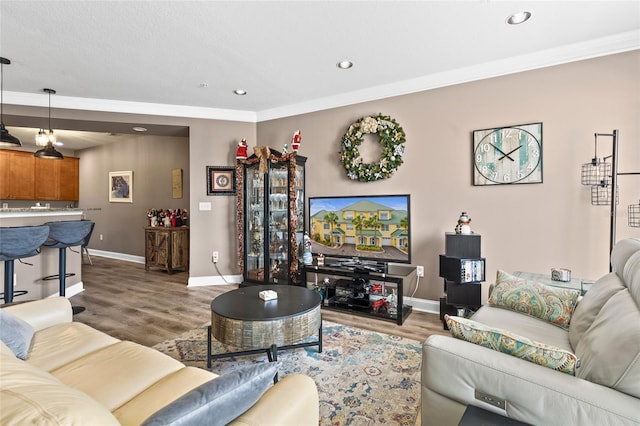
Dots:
pixel 272 352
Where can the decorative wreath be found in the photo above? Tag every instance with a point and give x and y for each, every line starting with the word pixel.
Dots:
pixel 392 138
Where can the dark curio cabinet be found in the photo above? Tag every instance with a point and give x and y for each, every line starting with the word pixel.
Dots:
pixel 463 270
pixel 270 217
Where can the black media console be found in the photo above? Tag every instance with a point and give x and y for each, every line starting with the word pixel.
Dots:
pixel 367 289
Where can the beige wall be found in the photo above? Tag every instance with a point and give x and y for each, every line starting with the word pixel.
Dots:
pixel 523 227
pixel 151 158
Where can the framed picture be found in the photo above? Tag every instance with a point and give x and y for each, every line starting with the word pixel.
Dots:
pixel 121 187
pixel 221 180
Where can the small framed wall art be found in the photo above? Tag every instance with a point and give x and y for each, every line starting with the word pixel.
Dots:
pixel 221 180
pixel 508 155
pixel 121 187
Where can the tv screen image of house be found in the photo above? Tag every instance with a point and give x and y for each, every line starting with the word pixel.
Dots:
pixel 368 227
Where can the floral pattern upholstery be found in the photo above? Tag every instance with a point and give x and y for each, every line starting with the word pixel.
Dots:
pixel 512 344
pixel 552 304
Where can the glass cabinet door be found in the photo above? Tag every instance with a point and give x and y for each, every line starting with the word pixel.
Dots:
pixel 271 218
pixel 279 223
pixel 299 191
pixel 255 229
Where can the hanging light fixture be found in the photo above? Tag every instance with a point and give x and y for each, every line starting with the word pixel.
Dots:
pixel 48 152
pixel 45 136
pixel 7 139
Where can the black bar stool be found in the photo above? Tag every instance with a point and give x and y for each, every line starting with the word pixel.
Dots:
pixel 64 234
pixel 17 243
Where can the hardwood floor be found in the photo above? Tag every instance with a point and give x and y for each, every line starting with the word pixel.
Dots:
pixel 125 301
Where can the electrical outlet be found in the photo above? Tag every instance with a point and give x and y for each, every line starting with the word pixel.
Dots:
pixel 420 271
pixel 214 257
pixel 101 237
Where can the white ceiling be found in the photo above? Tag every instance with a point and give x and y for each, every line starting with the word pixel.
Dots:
pixel 153 57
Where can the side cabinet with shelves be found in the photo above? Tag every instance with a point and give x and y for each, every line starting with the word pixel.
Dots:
pixel 166 248
pixel 270 217
pixel 372 294
pixel 463 270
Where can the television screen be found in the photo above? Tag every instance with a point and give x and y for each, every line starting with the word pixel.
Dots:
pixel 369 227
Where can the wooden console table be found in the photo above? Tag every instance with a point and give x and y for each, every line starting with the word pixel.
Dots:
pixel 166 248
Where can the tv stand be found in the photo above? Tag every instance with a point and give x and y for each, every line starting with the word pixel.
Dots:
pixel 362 289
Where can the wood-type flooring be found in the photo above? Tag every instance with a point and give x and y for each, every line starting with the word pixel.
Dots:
pixel 129 303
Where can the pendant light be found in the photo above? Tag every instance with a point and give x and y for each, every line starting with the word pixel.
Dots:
pixel 48 152
pixel 7 139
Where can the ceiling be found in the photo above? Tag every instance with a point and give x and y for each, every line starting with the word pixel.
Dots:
pixel 187 57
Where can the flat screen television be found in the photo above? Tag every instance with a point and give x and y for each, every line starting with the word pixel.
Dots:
pixel 366 228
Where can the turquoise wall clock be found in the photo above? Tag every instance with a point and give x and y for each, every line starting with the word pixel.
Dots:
pixel 508 155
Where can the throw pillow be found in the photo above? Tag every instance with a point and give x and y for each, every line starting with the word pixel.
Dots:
pixel 552 304
pixel 16 333
pixel 218 401
pixel 510 343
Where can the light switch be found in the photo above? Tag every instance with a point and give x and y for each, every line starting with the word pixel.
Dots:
pixel 205 206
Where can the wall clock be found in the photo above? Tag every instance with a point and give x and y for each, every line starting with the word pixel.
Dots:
pixel 508 155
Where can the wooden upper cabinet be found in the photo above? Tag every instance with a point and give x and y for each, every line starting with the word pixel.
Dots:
pixel 21 175
pixel 46 179
pixel 24 177
pixel 69 179
pixel 4 176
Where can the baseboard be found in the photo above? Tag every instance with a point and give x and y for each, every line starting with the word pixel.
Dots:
pixel 214 280
pixel 423 305
pixel 70 291
pixel 118 256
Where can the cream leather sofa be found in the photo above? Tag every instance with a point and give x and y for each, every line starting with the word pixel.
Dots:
pixel 76 375
pixel 604 334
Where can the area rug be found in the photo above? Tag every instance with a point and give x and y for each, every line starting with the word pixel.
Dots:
pixel 363 377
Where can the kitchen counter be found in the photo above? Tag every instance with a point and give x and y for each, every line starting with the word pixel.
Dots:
pixel 29 277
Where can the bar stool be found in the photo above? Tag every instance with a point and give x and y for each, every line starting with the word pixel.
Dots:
pixel 62 235
pixel 17 243
pixel 85 244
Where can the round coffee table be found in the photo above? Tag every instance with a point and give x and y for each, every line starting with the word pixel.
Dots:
pixel 240 318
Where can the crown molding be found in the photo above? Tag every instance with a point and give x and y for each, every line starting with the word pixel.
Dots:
pixel 108 105
pixel 618 43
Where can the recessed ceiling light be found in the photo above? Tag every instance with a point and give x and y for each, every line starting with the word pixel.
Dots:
pixel 518 18
pixel 139 129
pixel 240 92
pixel 344 65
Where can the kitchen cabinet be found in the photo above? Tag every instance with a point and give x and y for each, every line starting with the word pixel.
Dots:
pixel 26 178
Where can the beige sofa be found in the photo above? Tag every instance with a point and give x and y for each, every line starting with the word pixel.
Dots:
pixel 603 333
pixel 76 375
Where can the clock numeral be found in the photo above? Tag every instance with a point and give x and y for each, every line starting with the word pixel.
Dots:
pixel 520 174
pixel 506 178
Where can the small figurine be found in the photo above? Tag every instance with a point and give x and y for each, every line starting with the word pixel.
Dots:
pixel 285 149
pixel 464 224
pixel 295 141
pixel 307 258
pixel 241 152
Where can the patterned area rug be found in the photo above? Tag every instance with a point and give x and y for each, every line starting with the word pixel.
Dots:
pixel 363 377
